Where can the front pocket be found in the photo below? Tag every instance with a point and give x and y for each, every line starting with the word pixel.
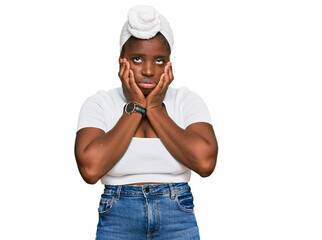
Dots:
pixel 106 204
pixel 184 201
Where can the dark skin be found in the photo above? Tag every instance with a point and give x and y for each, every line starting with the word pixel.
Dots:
pixel 145 73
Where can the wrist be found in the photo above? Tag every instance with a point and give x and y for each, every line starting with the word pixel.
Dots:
pixel 132 107
pixel 139 103
pixel 143 105
pixel 155 109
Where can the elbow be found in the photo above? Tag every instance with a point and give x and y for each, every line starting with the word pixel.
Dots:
pixel 208 164
pixel 205 174
pixel 87 168
pixel 207 168
pixel 89 176
pixel 88 172
pixel 90 179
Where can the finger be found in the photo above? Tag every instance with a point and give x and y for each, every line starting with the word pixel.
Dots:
pixel 167 75
pixel 132 80
pixel 171 72
pixel 122 68
pixel 161 82
pixel 125 76
pixel 126 72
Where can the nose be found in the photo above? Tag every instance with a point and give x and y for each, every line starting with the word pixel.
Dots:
pixel 148 69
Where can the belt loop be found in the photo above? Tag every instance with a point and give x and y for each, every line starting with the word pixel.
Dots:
pixel 172 191
pixel 118 193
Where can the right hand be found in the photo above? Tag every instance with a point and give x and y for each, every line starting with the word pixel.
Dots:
pixel 131 91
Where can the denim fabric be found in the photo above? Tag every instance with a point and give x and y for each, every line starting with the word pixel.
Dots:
pixel 147 212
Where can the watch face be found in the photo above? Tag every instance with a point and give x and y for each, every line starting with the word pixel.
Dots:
pixel 129 107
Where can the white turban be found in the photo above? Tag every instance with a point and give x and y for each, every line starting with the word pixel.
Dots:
pixel 144 22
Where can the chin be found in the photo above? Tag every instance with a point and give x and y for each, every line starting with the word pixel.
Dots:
pixel 146 92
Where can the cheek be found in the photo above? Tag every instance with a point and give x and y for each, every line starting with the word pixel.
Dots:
pixel 159 72
pixel 136 70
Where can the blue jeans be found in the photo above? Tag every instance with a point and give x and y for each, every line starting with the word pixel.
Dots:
pixel 147 212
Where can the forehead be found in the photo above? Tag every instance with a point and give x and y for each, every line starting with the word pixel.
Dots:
pixel 156 46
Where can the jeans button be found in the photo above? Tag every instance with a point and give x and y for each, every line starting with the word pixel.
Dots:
pixel 147 190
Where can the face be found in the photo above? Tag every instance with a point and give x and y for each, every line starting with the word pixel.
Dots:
pixel 147 60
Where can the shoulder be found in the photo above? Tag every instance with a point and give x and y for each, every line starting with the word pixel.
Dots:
pixel 97 110
pixel 181 94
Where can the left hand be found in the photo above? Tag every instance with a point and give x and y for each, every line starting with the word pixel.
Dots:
pixel 155 98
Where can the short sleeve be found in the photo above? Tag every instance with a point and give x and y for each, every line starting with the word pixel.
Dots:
pixel 194 109
pixel 92 113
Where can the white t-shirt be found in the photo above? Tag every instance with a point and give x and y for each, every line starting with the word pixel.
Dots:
pixel 146 159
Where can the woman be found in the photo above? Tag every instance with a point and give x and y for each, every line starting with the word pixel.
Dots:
pixel 143 140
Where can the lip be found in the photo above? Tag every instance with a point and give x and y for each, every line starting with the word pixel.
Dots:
pixel 147 84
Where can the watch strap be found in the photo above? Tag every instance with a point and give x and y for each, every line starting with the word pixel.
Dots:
pixel 140 109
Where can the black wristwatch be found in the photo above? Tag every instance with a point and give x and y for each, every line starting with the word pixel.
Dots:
pixel 132 107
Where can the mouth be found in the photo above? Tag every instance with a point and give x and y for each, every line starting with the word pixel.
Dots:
pixel 147 84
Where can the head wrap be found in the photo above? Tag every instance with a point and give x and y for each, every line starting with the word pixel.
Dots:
pixel 144 22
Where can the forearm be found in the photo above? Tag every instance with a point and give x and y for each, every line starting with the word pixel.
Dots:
pixel 100 156
pixel 190 149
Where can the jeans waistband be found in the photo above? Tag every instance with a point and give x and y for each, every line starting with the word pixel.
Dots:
pixel 146 189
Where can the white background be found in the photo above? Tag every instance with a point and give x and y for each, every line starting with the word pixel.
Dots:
pixel 257 65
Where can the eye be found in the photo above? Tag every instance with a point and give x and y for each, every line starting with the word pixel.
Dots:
pixel 137 59
pixel 160 61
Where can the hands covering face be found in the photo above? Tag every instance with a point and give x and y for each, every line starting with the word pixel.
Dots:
pixel 133 93
pixel 130 90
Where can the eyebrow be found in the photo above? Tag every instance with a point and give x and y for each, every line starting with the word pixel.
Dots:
pixel 143 55
pixel 136 54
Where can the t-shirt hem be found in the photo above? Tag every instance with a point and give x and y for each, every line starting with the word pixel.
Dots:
pixel 140 178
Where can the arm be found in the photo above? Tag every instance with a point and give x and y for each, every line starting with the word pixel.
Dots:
pixel 196 146
pixel 97 152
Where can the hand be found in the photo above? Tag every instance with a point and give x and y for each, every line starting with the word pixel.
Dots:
pixel 130 90
pixel 155 99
